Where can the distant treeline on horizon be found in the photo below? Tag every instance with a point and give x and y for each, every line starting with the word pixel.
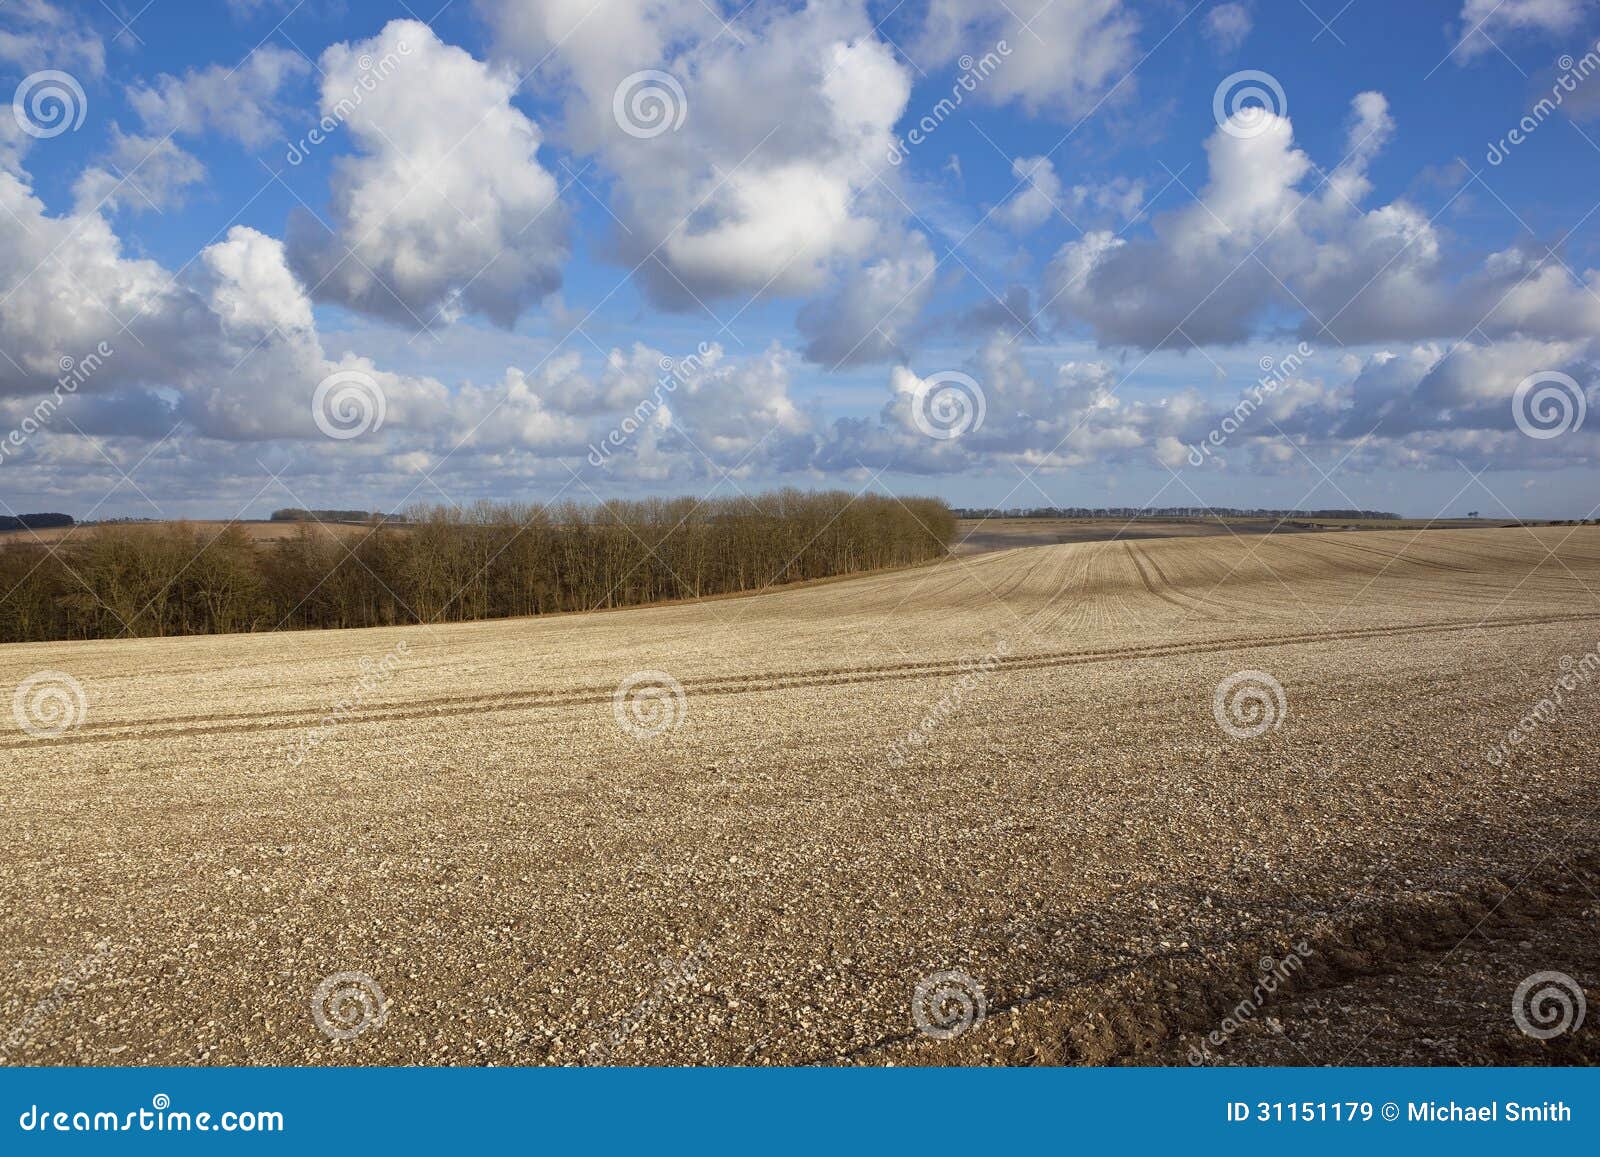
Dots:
pixel 34 521
pixel 450 565
pixel 1161 512
pixel 296 514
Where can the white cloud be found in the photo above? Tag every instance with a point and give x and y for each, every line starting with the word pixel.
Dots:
pixel 1484 22
pixel 1266 241
pixel 870 314
pixel 1227 25
pixel 66 286
pixel 240 102
pixel 1067 417
pixel 1036 201
pixel 143 173
pixel 230 349
pixel 770 186
pixel 445 209
pixel 1065 55
pixel 37 35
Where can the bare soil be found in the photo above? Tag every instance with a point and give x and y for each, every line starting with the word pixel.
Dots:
pixel 770 881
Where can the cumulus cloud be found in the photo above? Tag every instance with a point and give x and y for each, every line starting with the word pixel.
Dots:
pixel 1268 239
pixel 141 173
pixel 1062 417
pixel 1482 22
pixel 766 173
pixel 1227 25
pixel 35 34
pixel 1035 202
pixel 67 286
pixel 1420 407
pixel 1424 407
pixel 1065 55
pixel 229 350
pixel 242 102
pixel 445 209
pixel 868 316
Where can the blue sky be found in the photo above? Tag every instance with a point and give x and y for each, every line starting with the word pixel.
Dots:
pixel 367 255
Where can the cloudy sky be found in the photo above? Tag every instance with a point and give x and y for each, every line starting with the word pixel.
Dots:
pixel 1031 252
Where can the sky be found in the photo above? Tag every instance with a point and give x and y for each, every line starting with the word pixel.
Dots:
pixel 1012 253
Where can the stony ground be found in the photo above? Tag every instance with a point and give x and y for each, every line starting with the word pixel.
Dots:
pixel 999 783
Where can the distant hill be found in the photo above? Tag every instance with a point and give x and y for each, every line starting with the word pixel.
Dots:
pixel 34 521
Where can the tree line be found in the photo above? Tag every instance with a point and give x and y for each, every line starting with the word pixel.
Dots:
pixel 34 521
pixel 1131 512
pixel 299 514
pixel 446 564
